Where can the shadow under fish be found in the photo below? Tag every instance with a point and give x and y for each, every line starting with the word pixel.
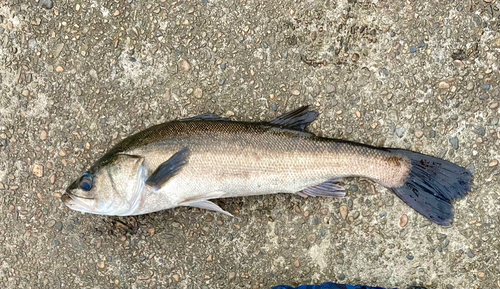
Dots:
pixel 330 285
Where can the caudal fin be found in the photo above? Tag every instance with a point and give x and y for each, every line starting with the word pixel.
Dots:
pixel 432 185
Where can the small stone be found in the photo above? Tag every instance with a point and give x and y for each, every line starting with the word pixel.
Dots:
pixel 210 258
pixel 296 264
pixel 494 105
pixel 481 131
pixel 400 131
pixel 330 88
pixel 413 49
pixel 43 135
pixel 231 276
pixel 324 211
pixel 481 275
pixel 355 57
pixel 198 93
pixel 493 163
pixel 47 4
pixel 93 74
pixel 53 178
pixel 25 92
pixel 38 170
pixel 58 49
pixel 151 232
pixel 496 43
pixel 59 69
pixel 419 133
pixel 295 92
pixel 57 243
pixel 444 85
pixel 2 186
pixel 185 66
pixel 229 113
pixel 486 86
pixel 358 114
pixel 403 221
pixel 471 254
pixel 117 13
pixel 459 64
pixel 344 211
pixel 410 256
pixel 100 265
pixel 176 277
pixel 307 213
pixel 62 153
pixel 77 7
pixel 441 237
pixel 454 142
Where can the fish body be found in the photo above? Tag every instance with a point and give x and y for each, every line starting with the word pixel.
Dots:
pixel 188 162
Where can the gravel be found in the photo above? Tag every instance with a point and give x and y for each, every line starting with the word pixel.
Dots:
pixel 76 78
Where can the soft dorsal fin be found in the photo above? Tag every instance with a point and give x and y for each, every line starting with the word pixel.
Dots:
pixel 205 116
pixel 168 169
pixel 296 119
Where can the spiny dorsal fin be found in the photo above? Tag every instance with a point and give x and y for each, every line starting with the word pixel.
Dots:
pixel 168 169
pixel 296 119
pixel 205 116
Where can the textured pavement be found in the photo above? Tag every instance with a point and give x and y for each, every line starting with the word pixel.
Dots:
pixel 77 76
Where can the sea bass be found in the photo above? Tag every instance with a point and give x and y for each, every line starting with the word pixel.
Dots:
pixel 190 161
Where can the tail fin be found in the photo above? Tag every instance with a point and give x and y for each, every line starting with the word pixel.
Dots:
pixel 432 185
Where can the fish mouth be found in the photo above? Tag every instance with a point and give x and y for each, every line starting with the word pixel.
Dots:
pixel 77 203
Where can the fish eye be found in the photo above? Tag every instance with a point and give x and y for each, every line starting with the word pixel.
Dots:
pixel 86 182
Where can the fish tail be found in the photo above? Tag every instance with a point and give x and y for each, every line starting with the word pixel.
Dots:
pixel 431 186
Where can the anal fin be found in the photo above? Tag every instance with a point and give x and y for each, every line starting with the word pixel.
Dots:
pixel 326 189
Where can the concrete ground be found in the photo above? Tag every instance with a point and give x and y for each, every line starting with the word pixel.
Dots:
pixel 77 76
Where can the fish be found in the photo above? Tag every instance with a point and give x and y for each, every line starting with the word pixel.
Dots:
pixel 188 162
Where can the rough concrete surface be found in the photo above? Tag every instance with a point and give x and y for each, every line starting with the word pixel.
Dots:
pixel 77 76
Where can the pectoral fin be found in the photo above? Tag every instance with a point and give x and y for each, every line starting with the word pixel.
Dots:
pixel 326 189
pixel 168 169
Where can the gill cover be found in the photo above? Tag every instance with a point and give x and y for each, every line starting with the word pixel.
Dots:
pixel 126 176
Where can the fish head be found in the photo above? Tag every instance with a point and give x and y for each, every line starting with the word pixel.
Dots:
pixel 110 187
